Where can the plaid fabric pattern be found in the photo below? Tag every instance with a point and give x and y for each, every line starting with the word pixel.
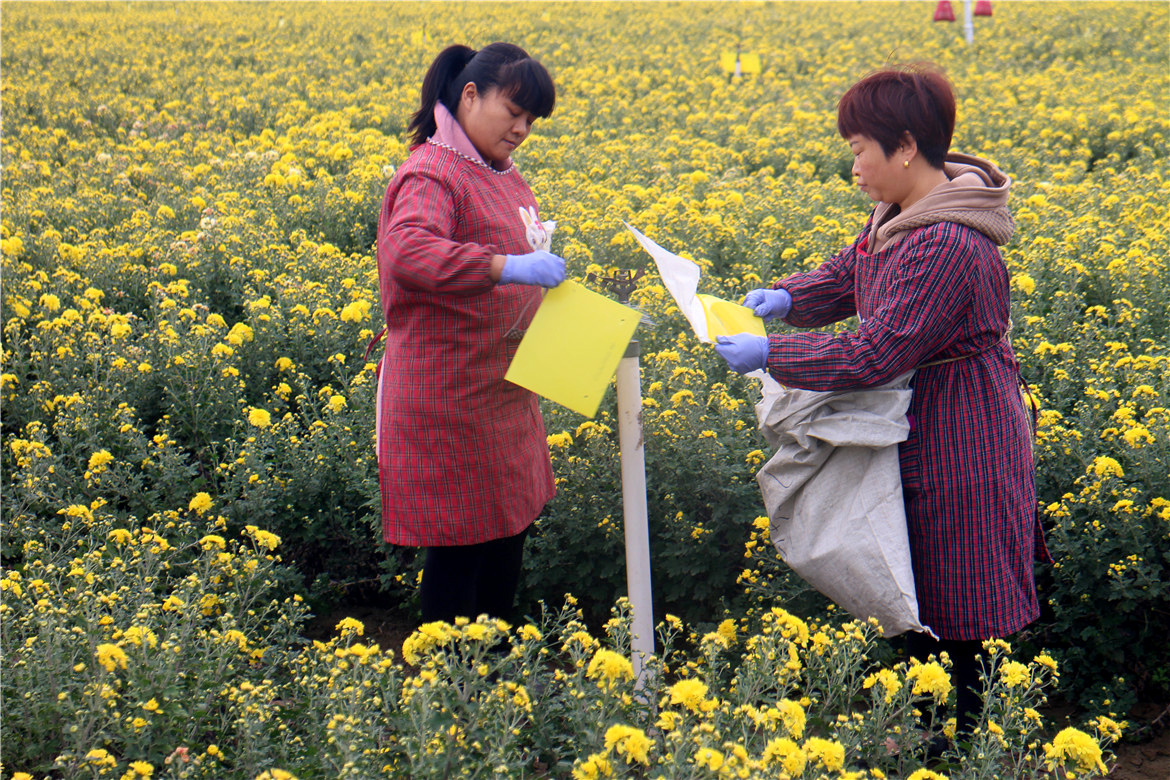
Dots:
pixel 462 454
pixel 967 471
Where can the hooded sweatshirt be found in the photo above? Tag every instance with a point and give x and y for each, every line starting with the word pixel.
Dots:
pixel 976 195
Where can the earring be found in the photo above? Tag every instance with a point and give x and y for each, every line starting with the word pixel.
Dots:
pixel 905 163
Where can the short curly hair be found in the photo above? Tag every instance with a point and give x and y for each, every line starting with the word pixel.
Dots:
pixel 892 102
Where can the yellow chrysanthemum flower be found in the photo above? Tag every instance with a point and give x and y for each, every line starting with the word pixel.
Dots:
pixel 259 417
pixel 1075 746
pixel 200 503
pixel 111 657
pixel 827 753
pixel 929 678
pixel 609 668
pixel 689 693
pixel 786 754
pixel 629 742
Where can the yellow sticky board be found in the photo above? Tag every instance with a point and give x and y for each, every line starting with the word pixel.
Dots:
pixel 748 63
pixel 725 318
pixel 572 347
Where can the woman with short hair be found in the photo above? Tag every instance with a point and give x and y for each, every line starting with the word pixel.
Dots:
pixel 931 292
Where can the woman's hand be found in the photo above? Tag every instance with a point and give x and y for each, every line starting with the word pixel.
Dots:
pixel 744 352
pixel 540 268
pixel 769 304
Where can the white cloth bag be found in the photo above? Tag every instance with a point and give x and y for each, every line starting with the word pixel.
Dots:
pixel 833 493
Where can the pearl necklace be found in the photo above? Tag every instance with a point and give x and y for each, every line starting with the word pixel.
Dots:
pixel 472 160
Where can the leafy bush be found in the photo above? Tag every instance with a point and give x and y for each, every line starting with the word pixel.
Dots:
pixel 144 649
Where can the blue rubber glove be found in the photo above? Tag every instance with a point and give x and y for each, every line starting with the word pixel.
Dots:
pixel 744 352
pixel 537 268
pixel 769 304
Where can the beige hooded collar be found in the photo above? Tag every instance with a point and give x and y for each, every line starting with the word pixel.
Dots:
pixel 976 195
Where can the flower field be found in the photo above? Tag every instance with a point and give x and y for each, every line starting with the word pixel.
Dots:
pixel 189 200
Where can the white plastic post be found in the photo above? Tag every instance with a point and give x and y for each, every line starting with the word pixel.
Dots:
pixel 968 21
pixel 633 456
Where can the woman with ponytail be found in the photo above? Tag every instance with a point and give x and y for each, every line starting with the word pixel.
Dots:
pixel 463 258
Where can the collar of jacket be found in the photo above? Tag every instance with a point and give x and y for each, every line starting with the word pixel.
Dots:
pixel 450 134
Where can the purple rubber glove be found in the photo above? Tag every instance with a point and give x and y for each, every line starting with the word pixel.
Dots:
pixel 744 352
pixel 769 304
pixel 540 268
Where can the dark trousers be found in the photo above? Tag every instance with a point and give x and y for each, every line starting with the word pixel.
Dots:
pixel 474 579
pixel 964 657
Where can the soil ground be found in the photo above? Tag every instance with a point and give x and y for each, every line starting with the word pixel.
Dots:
pixel 1148 759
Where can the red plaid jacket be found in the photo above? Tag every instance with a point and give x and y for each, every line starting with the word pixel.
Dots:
pixel 462 454
pixel 967 472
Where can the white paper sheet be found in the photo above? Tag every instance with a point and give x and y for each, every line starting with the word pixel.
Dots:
pixel 681 278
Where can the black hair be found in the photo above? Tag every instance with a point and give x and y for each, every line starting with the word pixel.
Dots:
pixel 502 66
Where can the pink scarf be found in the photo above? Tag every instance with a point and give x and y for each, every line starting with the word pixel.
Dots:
pixel 450 133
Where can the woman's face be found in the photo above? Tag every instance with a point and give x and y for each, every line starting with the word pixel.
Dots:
pixel 494 124
pixel 882 178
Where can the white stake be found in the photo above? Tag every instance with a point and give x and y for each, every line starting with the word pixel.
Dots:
pixel 968 21
pixel 633 453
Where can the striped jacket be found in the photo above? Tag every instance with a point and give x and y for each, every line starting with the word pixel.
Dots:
pixel 462 454
pixel 941 292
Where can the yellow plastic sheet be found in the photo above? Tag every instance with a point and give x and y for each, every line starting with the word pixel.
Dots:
pixel 725 318
pixel 572 347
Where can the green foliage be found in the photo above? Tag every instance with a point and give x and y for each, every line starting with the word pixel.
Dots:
pixel 139 638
